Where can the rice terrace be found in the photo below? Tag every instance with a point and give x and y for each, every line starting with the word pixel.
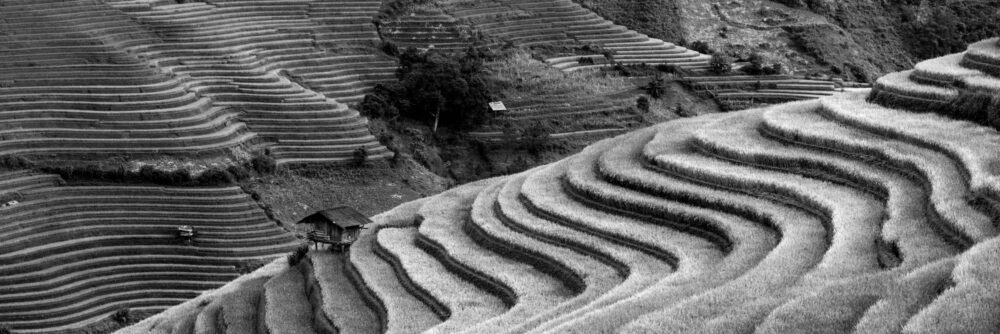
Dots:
pixel 499 166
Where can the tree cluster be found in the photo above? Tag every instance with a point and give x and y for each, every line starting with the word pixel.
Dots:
pixel 757 66
pixel 434 88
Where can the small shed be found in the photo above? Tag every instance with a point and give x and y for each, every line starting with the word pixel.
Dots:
pixel 338 226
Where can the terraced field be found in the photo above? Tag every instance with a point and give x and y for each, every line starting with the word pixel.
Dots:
pixel 947 85
pixel 426 30
pixel 823 216
pixel 87 79
pixel 71 255
pixel 564 22
pixel 744 91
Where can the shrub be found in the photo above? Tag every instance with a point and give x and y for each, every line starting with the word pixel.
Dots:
pixel 300 253
pixel 668 68
pixel 380 103
pixel 215 177
pixel 248 266
pixel 5 329
pixel 701 47
pixel 14 162
pixel 360 156
pixel 681 111
pixel 10 196
pixel 656 88
pixel 585 61
pixel 773 69
pixel 535 137
pixel 642 103
pixel 858 72
pixel 263 164
pixel 389 48
pixel 122 316
pixel 721 64
pixel 756 65
pixel 238 172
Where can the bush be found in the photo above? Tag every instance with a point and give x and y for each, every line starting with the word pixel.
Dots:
pixel 263 164
pixel 755 66
pixel 701 47
pixel 668 68
pixel 5 329
pixel 656 88
pixel 14 162
pixel 300 253
pixel 122 316
pixel 642 103
pixel 721 64
pixel 389 48
pixel 215 177
pixel 248 266
pixel 238 172
pixel 681 111
pixel 535 137
pixel 10 196
pixel 380 103
pixel 585 61
pixel 774 69
pixel 360 156
pixel 859 73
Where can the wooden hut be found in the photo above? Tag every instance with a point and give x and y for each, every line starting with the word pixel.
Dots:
pixel 337 226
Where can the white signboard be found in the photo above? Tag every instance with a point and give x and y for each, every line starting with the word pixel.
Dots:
pixel 497 106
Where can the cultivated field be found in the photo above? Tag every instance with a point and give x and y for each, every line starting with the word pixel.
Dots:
pixel 97 79
pixel 822 216
pixel 854 212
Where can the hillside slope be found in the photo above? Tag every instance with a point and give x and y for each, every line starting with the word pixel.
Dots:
pixel 828 216
pixel 96 80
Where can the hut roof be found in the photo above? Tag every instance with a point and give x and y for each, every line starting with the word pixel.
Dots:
pixel 344 216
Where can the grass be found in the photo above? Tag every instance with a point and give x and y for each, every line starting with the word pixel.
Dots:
pixel 587 277
pixel 342 303
pixel 900 83
pixel 240 307
pixel 971 305
pixel 946 69
pixel 533 291
pixel 288 309
pixel 982 83
pixel 209 320
pixel 778 268
pixel 905 297
pixel 466 304
pixel 738 138
pixel 399 311
pixel 751 246
pixel 521 75
pixel 853 216
pixel 835 308
pixel 635 269
pixel 163 321
pixel 947 196
pixel 966 143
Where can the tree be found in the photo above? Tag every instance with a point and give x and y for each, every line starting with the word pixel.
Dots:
pixel 756 65
pixel 721 64
pixel 642 103
pixel 656 88
pixel 701 47
pixel 442 90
